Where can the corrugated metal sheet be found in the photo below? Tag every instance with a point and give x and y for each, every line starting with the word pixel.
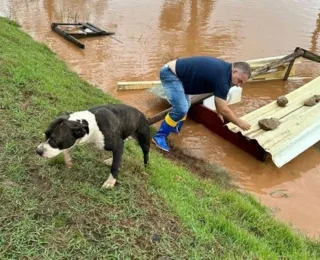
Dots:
pixel 299 128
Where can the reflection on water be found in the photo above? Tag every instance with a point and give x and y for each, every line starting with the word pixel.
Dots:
pixel 150 33
pixel 315 41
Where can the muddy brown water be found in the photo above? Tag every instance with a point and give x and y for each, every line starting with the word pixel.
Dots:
pixel 149 33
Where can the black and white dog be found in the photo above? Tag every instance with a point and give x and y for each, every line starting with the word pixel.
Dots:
pixel 104 126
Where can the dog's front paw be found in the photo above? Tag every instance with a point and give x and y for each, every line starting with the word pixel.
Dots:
pixel 109 184
pixel 108 162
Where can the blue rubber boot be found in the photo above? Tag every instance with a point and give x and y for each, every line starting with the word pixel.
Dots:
pixel 179 126
pixel 165 129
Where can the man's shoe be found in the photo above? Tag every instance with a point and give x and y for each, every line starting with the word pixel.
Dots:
pixel 165 129
pixel 179 126
pixel 160 142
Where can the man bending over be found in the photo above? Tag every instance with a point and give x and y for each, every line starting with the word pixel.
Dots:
pixel 198 75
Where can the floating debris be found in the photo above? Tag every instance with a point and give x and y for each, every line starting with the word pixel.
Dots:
pixel 279 194
pixel 71 30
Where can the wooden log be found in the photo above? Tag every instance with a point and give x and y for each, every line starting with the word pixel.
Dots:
pixel 71 24
pixel 194 100
pixel 311 56
pixel 91 27
pixel 159 116
pixel 97 30
pixel 286 76
pixel 289 67
pixel 67 36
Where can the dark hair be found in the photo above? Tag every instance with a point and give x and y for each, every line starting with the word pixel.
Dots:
pixel 243 66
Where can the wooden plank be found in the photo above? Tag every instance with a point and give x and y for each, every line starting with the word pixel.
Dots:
pixel 289 70
pixel 298 53
pixel 130 85
pixel 256 63
pixel 274 74
pixel 141 85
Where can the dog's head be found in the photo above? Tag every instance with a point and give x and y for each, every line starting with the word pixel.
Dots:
pixel 62 134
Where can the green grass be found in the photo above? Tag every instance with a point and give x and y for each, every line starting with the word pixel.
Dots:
pixel 50 212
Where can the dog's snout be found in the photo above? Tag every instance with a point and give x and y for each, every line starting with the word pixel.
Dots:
pixel 39 151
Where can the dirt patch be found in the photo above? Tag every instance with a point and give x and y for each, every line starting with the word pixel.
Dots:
pixel 269 124
pixel 40 180
pixel 163 258
pixel 26 104
pixel 198 166
pixel 282 101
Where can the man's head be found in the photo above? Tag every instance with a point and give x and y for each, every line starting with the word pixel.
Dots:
pixel 241 72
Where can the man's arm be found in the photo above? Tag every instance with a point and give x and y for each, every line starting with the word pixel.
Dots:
pixel 223 109
pixel 219 114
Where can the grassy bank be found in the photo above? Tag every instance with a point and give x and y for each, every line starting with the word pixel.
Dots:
pixel 162 212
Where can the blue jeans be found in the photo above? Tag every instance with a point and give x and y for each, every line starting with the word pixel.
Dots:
pixel 179 101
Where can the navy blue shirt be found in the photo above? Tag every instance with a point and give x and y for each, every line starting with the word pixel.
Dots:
pixel 201 74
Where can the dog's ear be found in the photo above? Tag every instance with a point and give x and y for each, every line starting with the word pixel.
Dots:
pixel 54 124
pixel 86 125
pixel 79 129
pixel 79 132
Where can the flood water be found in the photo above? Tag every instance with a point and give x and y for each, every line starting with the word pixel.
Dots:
pixel 149 33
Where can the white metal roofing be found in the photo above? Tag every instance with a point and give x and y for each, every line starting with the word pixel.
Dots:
pixel 299 128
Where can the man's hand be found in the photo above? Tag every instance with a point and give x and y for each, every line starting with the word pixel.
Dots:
pixel 224 110
pixel 243 125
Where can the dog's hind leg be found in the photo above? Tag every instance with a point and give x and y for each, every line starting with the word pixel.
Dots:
pixel 117 156
pixel 67 158
pixel 143 137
